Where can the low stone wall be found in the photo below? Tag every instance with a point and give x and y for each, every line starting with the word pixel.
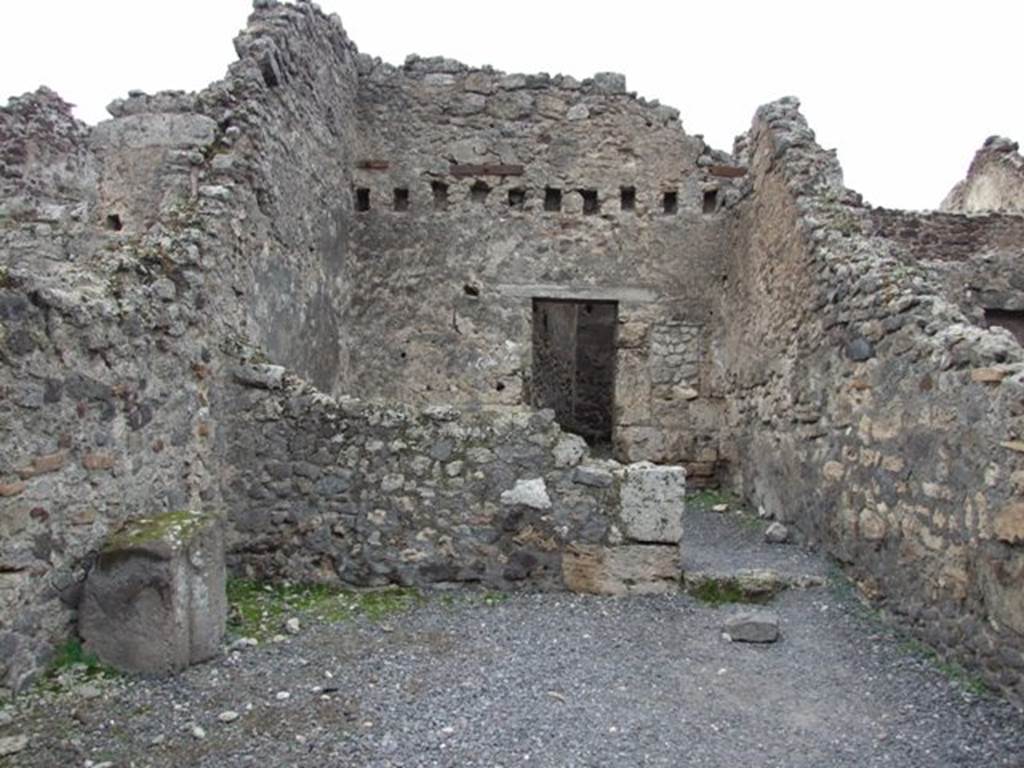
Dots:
pixel 945 236
pixel 324 490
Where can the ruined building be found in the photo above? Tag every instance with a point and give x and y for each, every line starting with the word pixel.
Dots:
pixel 338 301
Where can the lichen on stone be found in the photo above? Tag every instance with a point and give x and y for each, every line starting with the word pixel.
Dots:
pixel 174 528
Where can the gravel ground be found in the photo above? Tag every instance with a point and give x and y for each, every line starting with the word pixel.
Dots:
pixel 541 680
pixel 726 542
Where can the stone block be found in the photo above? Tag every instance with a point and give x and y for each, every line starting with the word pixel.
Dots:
pixel 593 476
pixel 753 627
pixel 527 493
pixel 652 502
pixel 632 569
pixel 1008 523
pixel 569 450
pixel 155 601
pixel 260 375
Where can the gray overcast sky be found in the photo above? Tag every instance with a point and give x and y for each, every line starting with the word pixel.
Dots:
pixel 906 91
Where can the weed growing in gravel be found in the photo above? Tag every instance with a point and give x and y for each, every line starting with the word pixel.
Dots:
pixel 259 609
pixel 954 672
pixel 752 522
pixel 717 592
pixel 704 501
pixel 845 591
pixel 72 656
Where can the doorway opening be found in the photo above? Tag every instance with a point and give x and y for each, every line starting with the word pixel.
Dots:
pixel 574 364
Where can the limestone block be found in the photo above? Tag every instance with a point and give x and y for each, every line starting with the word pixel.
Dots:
pixel 569 450
pixel 652 502
pixel 632 569
pixel 155 601
pixel 528 493
pixel 1008 523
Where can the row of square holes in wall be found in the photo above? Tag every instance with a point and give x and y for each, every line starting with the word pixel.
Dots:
pixel 480 191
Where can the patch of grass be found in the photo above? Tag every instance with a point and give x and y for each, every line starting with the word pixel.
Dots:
pixel 492 599
pixel 707 499
pixel 5 277
pixel 470 598
pixel 717 592
pixel 259 609
pixel 72 655
pixel 845 591
pixel 955 673
pixel 752 522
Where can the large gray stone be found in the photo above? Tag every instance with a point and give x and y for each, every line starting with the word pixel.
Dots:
pixel 753 627
pixel 155 601
pixel 652 503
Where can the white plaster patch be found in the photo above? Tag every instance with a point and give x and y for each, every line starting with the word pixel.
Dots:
pixel 528 493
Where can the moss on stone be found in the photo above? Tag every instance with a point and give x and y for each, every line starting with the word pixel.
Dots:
pixel 723 591
pixel 71 655
pixel 171 527
pixel 258 609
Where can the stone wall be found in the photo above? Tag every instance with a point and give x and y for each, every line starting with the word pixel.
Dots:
pixel 103 394
pixel 132 256
pixel 447 275
pixel 323 489
pixel 868 409
pixel 974 260
pixel 383 231
pixel 995 180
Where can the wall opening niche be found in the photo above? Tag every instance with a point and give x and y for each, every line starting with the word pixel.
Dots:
pixel 1010 319
pixel 574 364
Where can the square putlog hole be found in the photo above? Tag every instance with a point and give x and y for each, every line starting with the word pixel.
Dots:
pixel 710 203
pixel 591 205
pixel 362 200
pixel 627 198
pixel 552 199
pixel 670 203
pixel 479 192
pixel 440 192
pixel 401 199
pixel 517 198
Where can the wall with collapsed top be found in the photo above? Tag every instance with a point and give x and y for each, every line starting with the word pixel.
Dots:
pixel 995 181
pixel 868 408
pixel 479 191
pixel 322 489
pixel 135 256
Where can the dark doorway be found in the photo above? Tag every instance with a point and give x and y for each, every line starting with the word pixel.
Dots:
pixel 574 364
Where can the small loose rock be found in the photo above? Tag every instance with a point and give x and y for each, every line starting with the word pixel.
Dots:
pixel 753 627
pixel 776 533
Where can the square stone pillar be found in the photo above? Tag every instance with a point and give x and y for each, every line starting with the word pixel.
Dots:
pixel 155 601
